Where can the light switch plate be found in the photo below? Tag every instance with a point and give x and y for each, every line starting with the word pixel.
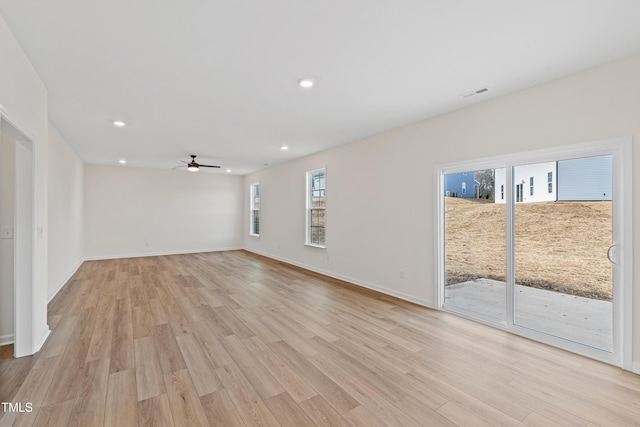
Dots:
pixel 7 232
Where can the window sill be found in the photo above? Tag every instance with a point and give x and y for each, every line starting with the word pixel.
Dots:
pixel 313 245
pixel 254 235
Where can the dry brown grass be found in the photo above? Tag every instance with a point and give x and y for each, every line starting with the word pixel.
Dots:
pixel 559 246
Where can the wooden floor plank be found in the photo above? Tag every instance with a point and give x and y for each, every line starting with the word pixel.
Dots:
pixel 122 349
pixel 293 383
pixel 149 377
pixel 68 374
pixel 155 412
pixel 321 413
pixel 361 417
pixel 141 321
pixel 101 339
pixel 185 404
pixel 257 374
pixel 13 374
pixel 253 322
pixel 121 408
pixel 217 354
pixel 203 376
pixel 157 312
pixel 220 410
pixel 325 386
pixel 88 409
pixel 251 408
pixel 55 415
pixel 425 415
pixel 168 350
pixel 233 338
pixel 34 390
pixel 287 412
pixel 337 364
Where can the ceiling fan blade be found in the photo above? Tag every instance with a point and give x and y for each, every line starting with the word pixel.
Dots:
pixel 193 165
pixel 178 167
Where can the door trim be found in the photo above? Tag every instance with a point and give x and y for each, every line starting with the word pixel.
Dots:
pixel 25 312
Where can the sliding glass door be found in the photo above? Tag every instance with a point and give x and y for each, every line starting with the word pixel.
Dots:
pixel 475 262
pixel 537 249
pixel 562 232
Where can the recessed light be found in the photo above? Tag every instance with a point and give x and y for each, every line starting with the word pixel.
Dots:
pixel 306 83
pixel 119 123
pixel 122 161
pixel 284 147
pixel 228 170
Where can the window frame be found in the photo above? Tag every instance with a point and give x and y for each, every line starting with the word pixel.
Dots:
pixel 530 186
pixel 310 208
pixel 253 210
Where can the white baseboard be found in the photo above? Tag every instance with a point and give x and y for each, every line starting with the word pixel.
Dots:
pixel 635 368
pixel 42 340
pixel 7 339
pixel 373 287
pixel 146 254
pixel 64 282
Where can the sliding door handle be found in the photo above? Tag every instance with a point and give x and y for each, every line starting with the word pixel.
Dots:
pixel 609 253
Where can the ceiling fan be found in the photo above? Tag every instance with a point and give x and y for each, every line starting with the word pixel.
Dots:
pixel 193 166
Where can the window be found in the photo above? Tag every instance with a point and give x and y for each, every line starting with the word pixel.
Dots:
pixel 502 192
pixel 550 182
pixel 464 188
pixel 531 186
pixel 316 203
pixel 254 221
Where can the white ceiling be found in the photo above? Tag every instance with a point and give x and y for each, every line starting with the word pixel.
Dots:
pixel 219 78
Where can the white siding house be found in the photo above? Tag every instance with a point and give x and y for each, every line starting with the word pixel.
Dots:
pixel 533 183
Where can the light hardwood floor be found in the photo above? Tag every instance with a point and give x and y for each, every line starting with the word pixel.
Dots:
pixel 231 338
pixel 6 351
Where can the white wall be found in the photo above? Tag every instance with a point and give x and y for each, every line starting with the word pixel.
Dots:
pixel 375 204
pixel 66 212
pixel 380 191
pixel 23 98
pixel 134 211
pixel 7 190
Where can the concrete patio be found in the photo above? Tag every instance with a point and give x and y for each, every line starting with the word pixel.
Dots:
pixel 578 319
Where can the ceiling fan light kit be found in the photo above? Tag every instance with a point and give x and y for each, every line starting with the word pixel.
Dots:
pixel 194 166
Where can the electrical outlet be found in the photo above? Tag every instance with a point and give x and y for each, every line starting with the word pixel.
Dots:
pixel 7 232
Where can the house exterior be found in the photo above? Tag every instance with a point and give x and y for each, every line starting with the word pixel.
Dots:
pixel 461 184
pixel 533 183
pixel 586 179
